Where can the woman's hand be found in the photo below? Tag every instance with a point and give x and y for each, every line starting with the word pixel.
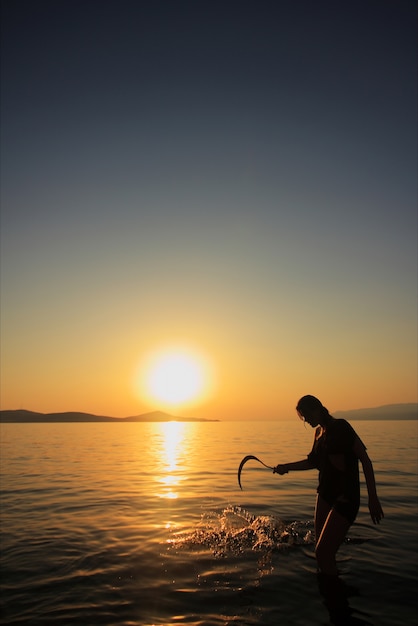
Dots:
pixel 280 469
pixel 376 511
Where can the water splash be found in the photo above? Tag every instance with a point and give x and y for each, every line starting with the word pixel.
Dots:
pixel 235 530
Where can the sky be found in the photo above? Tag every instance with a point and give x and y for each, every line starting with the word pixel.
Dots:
pixel 234 181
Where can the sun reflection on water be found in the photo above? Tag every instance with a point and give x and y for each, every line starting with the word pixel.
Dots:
pixel 172 446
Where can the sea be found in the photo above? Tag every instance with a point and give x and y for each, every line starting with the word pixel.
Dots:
pixel 144 524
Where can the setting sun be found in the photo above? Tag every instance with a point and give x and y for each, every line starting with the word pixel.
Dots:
pixel 173 377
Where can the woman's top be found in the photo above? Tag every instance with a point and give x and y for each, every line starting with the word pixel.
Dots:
pixel 332 454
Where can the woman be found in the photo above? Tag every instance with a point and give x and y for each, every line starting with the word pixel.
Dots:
pixel 335 453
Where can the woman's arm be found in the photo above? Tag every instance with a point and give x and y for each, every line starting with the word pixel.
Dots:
pixel 376 511
pixel 305 464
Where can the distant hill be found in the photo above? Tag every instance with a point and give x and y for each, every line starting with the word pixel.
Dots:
pixel 386 412
pixel 24 417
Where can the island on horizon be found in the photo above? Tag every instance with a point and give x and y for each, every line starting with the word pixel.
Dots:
pixel 406 411
pixel 22 416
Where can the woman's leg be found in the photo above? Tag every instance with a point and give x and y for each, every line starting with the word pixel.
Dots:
pixel 332 535
pixel 322 510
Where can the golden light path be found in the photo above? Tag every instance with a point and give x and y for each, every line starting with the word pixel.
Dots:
pixel 172 446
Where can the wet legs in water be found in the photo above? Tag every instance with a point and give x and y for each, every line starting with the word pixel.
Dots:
pixel 335 594
pixel 330 531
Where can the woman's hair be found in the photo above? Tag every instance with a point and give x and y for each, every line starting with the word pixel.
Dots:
pixel 310 403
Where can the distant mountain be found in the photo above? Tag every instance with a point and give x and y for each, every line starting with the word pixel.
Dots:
pixel 386 412
pixel 23 417
pixel 160 416
pixel 31 416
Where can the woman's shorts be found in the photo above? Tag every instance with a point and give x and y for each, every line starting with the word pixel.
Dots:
pixel 347 509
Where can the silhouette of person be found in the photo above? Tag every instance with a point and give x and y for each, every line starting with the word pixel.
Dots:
pixel 335 453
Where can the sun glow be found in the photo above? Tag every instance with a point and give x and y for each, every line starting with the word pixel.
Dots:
pixel 173 378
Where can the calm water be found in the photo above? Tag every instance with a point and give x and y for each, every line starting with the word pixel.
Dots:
pixel 141 524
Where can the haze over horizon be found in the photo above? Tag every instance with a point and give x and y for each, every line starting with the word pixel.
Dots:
pixel 408 411
pixel 233 181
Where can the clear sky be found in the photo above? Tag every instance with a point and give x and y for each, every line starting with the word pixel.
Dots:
pixel 231 179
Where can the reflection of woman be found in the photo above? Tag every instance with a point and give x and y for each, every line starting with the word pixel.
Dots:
pixel 335 453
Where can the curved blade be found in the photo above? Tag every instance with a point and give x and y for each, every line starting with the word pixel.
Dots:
pixel 243 462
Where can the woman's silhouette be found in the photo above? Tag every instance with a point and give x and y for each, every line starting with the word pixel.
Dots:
pixel 335 453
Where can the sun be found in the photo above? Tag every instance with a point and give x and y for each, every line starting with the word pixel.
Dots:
pixel 173 377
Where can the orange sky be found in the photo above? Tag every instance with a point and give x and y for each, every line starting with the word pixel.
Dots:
pixel 106 373
pixel 250 196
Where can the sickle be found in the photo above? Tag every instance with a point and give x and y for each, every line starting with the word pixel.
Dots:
pixel 244 460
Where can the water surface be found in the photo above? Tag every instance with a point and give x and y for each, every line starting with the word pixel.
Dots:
pixel 142 524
